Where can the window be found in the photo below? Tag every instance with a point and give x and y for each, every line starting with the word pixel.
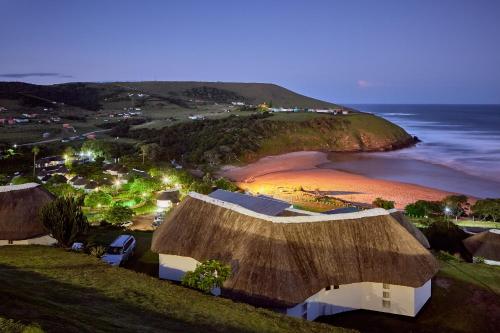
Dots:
pixel 11 242
pixel 328 288
pixel 386 294
pixel 335 287
pixel 385 286
pixel 386 303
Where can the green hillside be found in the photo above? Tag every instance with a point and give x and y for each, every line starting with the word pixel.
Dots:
pixel 251 93
pixel 246 138
pixel 63 291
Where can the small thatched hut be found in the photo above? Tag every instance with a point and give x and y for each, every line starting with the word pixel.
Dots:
pixel 485 245
pixel 306 266
pixel 410 227
pixel 166 199
pixel 19 209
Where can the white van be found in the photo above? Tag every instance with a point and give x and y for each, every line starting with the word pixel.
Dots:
pixel 120 250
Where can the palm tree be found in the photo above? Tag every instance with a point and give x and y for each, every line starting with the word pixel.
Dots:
pixel 35 152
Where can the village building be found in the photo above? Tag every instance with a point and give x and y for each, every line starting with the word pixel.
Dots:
pixel 19 215
pixel 115 170
pixel 167 199
pixel 50 161
pixel 484 246
pixel 303 265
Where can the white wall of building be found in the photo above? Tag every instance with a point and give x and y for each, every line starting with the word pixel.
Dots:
pixel 400 300
pixel 174 267
pixel 43 240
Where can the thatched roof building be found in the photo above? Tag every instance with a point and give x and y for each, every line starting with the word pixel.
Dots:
pixel 485 244
pixel 410 227
pixel 281 261
pixel 19 208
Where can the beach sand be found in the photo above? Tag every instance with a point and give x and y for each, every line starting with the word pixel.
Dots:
pixel 281 174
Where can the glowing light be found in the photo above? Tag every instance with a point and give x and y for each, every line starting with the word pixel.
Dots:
pixel 166 179
pixel 15 145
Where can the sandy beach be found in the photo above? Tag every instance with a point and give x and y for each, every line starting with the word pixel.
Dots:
pixel 277 175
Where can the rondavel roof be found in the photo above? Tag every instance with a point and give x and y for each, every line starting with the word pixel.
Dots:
pixel 485 244
pixel 19 209
pixel 281 261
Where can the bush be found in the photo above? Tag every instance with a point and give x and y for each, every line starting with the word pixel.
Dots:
pixel 118 214
pixel 97 251
pixel 64 220
pixel 381 203
pixel 98 198
pixel 208 275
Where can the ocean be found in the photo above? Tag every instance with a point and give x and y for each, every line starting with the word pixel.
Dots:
pixel 459 152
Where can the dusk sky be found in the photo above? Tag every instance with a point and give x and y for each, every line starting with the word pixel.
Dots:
pixel 343 51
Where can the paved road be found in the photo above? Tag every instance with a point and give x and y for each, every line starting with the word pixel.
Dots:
pixel 59 139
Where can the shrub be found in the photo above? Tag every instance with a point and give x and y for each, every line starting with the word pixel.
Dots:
pixel 97 251
pixel 119 214
pixel 208 275
pixel 98 198
pixel 386 204
pixel 64 220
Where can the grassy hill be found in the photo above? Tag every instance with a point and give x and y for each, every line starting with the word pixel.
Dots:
pixel 70 292
pixel 243 139
pixel 251 93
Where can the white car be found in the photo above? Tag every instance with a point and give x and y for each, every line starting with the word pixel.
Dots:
pixel 120 250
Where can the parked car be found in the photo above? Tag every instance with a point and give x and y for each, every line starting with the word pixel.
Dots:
pixel 120 250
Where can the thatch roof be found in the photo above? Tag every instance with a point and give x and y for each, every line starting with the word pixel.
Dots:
pixel 410 227
pixel 485 244
pixel 19 207
pixel 281 261
pixel 171 195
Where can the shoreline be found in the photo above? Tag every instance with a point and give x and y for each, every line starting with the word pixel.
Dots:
pixel 278 174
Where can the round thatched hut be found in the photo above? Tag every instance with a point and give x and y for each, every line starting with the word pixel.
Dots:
pixel 485 245
pixel 305 266
pixel 19 220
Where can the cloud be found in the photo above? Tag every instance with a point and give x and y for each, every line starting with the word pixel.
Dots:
pixel 365 84
pixel 38 74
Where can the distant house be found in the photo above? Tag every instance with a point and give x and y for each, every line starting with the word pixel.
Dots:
pixel 485 245
pixel 50 161
pixel 90 186
pixel 19 215
pixel 78 182
pixel 303 266
pixel 166 199
pixel 115 170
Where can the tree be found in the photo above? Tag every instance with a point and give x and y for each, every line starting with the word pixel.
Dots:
pixel 35 150
pixel 64 220
pixel 386 204
pixel 119 214
pixel 98 198
pixel 423 208
pixel 487 208
pixel 208 275
pixel 150 151
pixel 455 205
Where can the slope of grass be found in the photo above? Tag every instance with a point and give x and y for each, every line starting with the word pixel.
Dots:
pixel 252 93
pixel 71 292
pixel 12 326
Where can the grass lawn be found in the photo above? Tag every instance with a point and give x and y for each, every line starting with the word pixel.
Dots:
pixel 465 298
pixel 480 224
pixel 71 292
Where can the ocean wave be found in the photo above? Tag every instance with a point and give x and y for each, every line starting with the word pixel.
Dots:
pixel 398 114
